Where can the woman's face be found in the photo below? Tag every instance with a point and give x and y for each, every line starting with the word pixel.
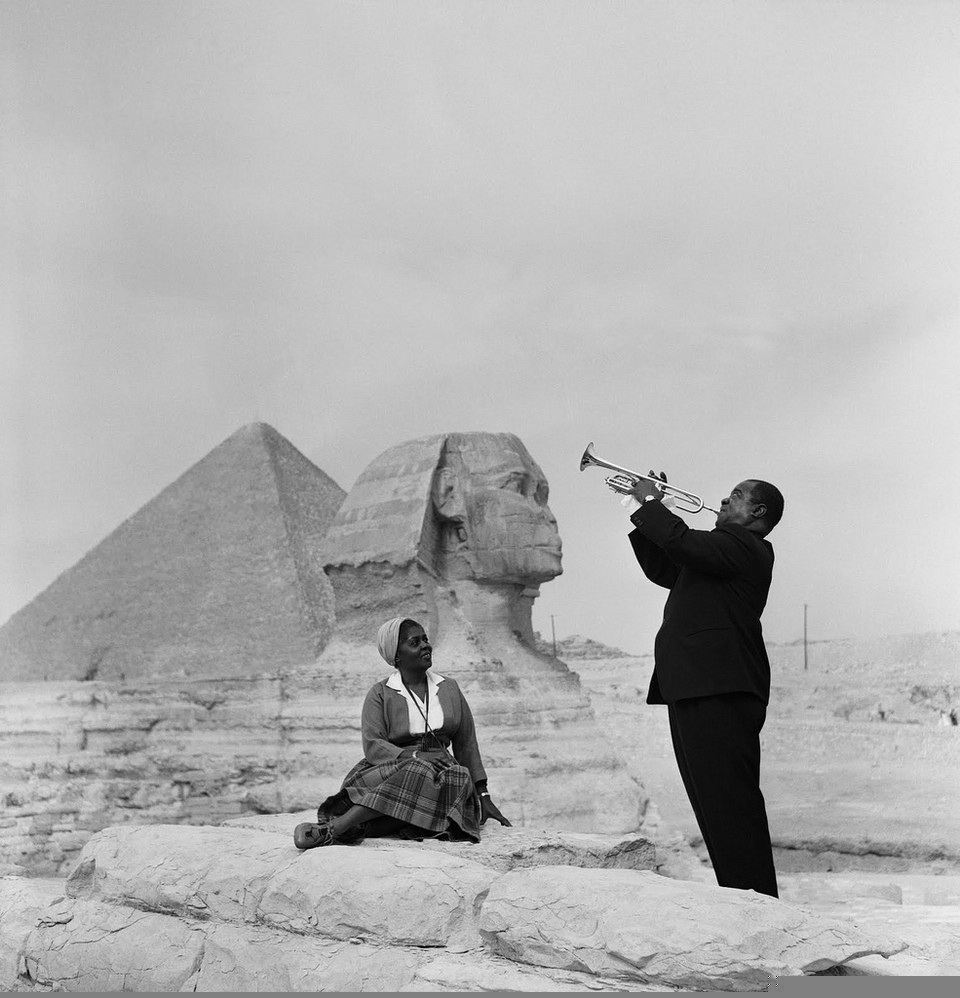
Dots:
pixel 413 649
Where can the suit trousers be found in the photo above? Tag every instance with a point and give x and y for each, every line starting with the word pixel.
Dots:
pixel 716 740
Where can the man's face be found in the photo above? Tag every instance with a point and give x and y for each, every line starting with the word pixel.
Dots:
pixel 739 507
pixel 510 533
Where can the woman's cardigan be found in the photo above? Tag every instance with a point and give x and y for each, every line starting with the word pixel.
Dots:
pixel 385 726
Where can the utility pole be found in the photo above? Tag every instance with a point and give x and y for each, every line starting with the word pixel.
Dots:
pixel 553 631
pixel 804 637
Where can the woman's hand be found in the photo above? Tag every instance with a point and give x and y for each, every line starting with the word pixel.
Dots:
pixel 490 810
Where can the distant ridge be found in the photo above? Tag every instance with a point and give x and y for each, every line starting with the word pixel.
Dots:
pixel 576 646
pixel 216 575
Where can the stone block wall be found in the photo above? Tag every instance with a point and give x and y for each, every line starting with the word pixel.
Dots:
pixel 78 756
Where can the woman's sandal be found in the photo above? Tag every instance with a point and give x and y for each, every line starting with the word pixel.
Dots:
pixel 309 835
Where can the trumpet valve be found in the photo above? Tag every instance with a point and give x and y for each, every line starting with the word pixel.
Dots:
pixel 621 483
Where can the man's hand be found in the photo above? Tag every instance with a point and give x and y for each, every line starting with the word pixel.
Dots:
pixel 490 810
pixel 644 489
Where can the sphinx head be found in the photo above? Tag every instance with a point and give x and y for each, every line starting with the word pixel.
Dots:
pixel 492 521
pixel 458 512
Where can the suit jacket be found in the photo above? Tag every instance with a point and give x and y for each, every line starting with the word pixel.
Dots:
pixel 385 726
pixel 710 641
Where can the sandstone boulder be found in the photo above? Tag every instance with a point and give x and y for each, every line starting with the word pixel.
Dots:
pixel 635 926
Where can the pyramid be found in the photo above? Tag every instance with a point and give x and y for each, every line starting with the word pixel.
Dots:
pixel 215 576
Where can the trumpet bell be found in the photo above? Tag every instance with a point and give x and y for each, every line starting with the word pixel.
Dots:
pixel 587 459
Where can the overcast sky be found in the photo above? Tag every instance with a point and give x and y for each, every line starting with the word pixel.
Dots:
pixel 722 239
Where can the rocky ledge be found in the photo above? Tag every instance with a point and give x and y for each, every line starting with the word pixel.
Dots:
pixel 214 908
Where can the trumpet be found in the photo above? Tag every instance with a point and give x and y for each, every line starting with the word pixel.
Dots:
pixel 624 481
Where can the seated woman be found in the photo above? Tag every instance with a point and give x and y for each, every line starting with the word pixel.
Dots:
pixel 408 783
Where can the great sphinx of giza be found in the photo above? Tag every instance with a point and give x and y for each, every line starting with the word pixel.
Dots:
pixel 454 531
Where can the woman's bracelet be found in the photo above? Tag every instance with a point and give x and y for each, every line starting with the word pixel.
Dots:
pixel 483 793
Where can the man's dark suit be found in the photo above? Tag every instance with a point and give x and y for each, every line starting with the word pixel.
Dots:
pixel 711 669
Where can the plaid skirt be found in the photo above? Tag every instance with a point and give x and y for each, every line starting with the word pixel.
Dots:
pixel 431 795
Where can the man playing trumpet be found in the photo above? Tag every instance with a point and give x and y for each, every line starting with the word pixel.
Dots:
pixel 711 667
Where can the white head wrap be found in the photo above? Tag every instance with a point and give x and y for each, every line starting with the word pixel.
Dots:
pixel 388 637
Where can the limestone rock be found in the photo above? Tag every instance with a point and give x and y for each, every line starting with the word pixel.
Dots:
pixel 247 958
pixel 21 901
pixel 81 756
pixel 479 971
pixel 199 871
pixel 217 575
pixel 230 908
pixel 91 946
pixel 100 947
pixel 636 926
pixel 932 932
pixel 240 875
pixel 924 910
pixel 341 892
